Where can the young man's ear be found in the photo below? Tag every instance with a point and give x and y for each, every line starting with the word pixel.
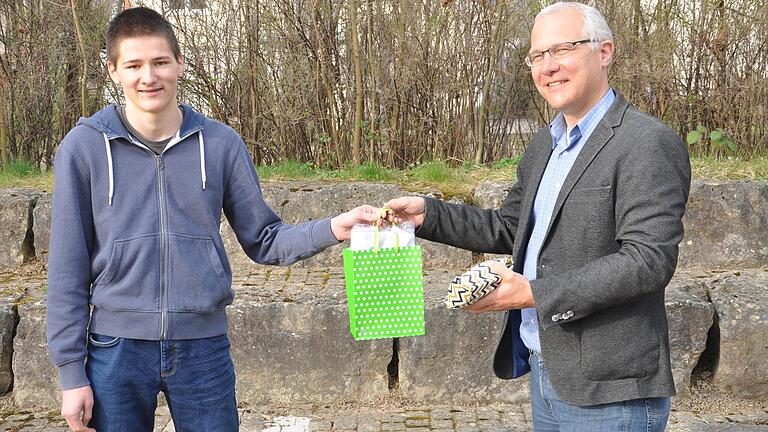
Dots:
pixel 112 69
pixel 180 71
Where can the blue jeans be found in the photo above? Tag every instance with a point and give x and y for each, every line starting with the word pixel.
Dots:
pixel 197 377
pixel 550 413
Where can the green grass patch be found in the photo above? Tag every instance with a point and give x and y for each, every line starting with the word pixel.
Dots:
pixel 451 179
pixel 433 172
pixel 755 168
pixel 374 172
pixel 507 162
pixel 286 170
pixel 22 174
pixel 21 169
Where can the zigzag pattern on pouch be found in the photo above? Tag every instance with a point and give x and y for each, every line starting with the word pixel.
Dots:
pixel 471 286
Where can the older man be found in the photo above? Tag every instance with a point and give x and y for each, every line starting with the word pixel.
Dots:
pixel 593 224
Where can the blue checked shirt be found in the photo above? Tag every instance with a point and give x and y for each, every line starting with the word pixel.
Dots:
pixel 566 146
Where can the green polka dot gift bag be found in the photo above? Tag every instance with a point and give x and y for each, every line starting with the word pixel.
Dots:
pixel 385 286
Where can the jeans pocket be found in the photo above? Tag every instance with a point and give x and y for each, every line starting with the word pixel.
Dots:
pixel 102 341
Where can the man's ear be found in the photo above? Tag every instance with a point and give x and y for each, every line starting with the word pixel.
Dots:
pixel 180 71
pixel 606 53
pixel 112 69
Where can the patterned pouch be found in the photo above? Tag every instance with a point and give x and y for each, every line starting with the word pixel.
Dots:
pixel 475 284
pixel 385 292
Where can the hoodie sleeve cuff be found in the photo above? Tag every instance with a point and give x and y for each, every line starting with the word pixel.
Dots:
pixel 322 236
pixel 72 375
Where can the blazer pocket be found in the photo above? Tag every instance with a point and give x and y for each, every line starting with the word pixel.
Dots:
pixel 602 192
pixel 617 344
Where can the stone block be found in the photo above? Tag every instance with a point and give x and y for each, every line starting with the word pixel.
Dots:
pixel 8 318
pixel 41 225
pixel 725 222
pixel 15 217
pixel 490 195
pixel 741 302
pixel 297 202
pixel 440 256
pixel 453 361
pixel 690 316
pixel 36 381
pixel 291 342
pixel 725 225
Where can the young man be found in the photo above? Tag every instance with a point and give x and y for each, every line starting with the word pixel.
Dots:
pixel 139 192
pixel 593 224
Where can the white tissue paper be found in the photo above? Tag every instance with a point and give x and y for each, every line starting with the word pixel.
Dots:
pixel 364 236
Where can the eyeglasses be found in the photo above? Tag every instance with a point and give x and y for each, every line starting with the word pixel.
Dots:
pixel 557 52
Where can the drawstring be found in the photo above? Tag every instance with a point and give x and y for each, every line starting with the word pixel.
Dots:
pixel 111 172
pixel 202 157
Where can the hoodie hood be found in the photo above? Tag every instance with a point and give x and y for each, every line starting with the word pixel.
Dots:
pixel 107 121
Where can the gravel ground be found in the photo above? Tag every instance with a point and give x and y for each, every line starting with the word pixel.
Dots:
pixel 705 411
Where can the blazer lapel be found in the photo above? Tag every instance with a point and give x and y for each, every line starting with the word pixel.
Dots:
pixel 599 138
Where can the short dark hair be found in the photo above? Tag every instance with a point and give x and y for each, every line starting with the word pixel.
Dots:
pixel 139 21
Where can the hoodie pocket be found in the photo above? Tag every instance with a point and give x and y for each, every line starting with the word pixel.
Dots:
pixel 131 280
pixel 198 282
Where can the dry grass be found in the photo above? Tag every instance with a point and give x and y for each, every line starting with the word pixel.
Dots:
pixel 730 169
pixel 41 182
pixel 451 181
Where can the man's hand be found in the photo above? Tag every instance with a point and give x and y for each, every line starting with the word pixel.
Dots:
pixel 513 292
pixel 406 209
pixel 341 225
pixel 77 408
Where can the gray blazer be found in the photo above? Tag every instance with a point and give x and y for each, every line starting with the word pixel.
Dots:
pixel 609 253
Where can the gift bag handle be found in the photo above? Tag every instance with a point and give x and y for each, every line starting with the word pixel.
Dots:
pixel 377 234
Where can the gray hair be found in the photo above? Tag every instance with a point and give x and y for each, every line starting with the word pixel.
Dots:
pixel 595 26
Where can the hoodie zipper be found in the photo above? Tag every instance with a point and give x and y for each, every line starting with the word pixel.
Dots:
pixel 163 229
pixel 164 251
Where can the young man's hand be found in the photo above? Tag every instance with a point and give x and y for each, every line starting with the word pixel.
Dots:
pixel 77 408
pixel 341 225
pixel 409 209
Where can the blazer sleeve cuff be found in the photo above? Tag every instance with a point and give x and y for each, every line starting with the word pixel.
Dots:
pixel 548 317
pixel 429 226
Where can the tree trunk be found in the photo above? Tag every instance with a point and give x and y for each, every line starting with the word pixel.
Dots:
pixel 84 76
pixel 492 55
pixel 357 127
pixel 252 35
pixel 398 102
pixel 325 80
pixel 373 108
pixel 4 133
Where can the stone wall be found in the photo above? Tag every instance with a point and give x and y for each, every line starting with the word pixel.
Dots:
pixel 290 330
pixel 725 222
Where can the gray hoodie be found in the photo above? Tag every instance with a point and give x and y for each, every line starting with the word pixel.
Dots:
pixel 136 236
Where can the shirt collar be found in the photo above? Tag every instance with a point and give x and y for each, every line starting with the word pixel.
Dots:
pixel 583 129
